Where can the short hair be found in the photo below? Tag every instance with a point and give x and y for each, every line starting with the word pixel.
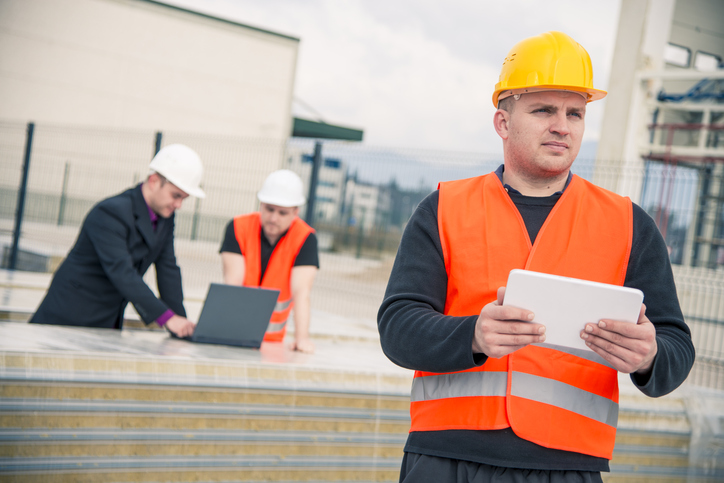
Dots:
pixel 507 104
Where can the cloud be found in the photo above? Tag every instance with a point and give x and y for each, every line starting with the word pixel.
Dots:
pixel 419 73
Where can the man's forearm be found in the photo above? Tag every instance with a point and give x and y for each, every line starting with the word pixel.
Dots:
pixel 302 315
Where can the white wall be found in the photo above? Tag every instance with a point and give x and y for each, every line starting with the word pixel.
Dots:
pixel 99 77
pixel 138 64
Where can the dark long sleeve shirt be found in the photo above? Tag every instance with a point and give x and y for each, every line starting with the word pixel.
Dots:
pixel 416 335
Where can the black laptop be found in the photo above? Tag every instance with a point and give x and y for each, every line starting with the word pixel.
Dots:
pixel 234 315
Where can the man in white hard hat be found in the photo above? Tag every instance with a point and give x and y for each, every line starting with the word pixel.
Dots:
pixel 491 400
pixel 119 240
pixel 274 248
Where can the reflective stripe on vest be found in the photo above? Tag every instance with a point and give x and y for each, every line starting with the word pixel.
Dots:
pixel 459 384
pixel 282 305
pixel 556 397
pixel 564 396
pixel 535 388
pixel 275 327
pixel 247 229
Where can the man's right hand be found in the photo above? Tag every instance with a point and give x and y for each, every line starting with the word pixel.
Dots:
pixel 181 326
pixel 501 330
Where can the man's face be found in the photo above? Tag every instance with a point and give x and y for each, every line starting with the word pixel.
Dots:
pixel 275 220
pixel 542 134
pixel 164 196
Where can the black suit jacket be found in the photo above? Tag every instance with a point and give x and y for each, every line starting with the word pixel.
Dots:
pixel 104 269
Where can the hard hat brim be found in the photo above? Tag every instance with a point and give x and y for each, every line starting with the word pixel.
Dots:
pixel 270 200
pixel 196 192
pixel 593 94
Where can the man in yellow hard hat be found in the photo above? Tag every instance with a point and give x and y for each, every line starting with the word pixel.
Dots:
pixel 274 248
pixel 119 240
pixel 491 401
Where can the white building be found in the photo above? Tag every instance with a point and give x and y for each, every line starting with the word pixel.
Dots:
pixel 663 135
pixel 115 70
pixel 664 119
pixel 143 64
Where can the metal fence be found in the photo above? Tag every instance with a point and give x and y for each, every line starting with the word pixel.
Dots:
pixel 363 198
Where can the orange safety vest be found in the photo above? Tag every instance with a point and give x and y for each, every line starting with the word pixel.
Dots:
pixel 278 274
pixel 554 396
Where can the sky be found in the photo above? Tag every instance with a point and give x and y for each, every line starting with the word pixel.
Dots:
pixel 418 73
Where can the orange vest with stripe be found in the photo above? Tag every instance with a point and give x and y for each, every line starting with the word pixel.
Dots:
pixel 278 274
pixel 553 396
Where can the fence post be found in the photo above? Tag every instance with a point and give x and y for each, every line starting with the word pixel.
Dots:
pixel 313 179
pixel 61 208
pixel 159 138
pixel 21 197
pixel 361 233
pixel 195 219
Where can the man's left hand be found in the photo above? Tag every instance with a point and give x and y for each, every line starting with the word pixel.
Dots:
pixel 627 347
pixel 302 345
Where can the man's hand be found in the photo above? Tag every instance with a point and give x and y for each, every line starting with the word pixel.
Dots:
pixel 627 347
pixel 500 330
pixel 181 326
pixel 302 345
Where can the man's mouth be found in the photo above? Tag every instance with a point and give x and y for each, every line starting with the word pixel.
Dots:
pixel 556 146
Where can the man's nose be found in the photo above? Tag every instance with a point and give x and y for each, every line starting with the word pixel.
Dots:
pixel 560 124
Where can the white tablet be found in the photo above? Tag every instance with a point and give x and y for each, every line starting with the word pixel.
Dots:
pixel 565 305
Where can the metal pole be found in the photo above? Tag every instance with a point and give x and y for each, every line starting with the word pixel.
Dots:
pixel 61 208
pixel 159 138
pixel 313 180
pixel 361 233
pixel 195 218
pixel 21 197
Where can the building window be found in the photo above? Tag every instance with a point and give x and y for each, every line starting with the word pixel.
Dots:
pixel 707 62
pixel 677 55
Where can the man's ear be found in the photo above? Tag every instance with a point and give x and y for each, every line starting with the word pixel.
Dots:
pixel 501 121
pixel 153 179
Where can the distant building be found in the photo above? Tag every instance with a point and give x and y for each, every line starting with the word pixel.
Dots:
pixel 331 184
pixel 366 204
pixel 403 202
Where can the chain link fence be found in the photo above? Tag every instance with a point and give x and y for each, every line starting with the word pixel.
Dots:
pixel 363 199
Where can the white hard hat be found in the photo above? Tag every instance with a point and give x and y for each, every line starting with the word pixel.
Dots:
pixel 282 188
pixel 181 166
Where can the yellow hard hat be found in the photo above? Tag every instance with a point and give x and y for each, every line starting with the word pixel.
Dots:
pixel 549 61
